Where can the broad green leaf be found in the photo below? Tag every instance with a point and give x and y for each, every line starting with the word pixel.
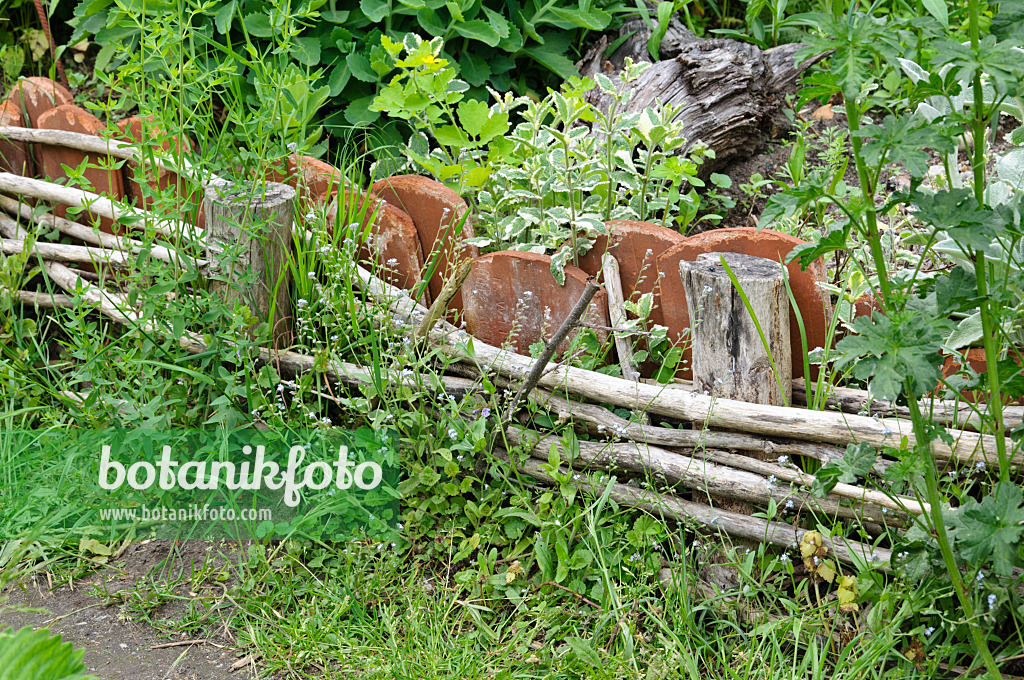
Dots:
pixel 224 16
pixel 307 51
pixel 991 530
pixel 358 111
pixel 35 655
pixel 957 212
pixel 891 350
pixel 584 651
pixel 937 8
pixel 967 332
pixel 855 463
pixel 473 115
pixel 475 70
pixel 477 30
pixel 375 10
pixel 553 58
pixel 258 24
pixel 360 67
pixel 1008 23
pixel 339 78
pixel 381 60
pixel 496 125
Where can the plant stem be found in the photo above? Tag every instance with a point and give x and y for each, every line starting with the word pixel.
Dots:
pixel 988 323
pixel 874 240
pixel 942 538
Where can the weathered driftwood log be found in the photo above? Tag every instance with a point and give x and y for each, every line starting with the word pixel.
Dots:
pixel 729 92
pixel 800 424
pixel 734 524
pixel 599 421
pixel 729 358
pixel 94 236
pixel 697 474
pixel 97 205
pixel 248 237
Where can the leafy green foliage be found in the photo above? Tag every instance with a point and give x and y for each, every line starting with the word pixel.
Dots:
pixel 890 351
pixel 549 185
pixel 991 530
pixel 33 655
pixel 855 463
pixel 503 45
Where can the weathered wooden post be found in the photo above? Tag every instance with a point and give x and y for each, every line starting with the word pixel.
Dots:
pixel 729 358
pixel 249 233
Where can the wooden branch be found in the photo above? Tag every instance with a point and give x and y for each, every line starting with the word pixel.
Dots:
pixel 671 468
pixel 111 306
pixel 617 315
pixel 94 236
pixel 101 145
pixel 602 422
pixel 732 523
pixel 953 413
pixel 66 253
pixel 440 304
pixel 98 205
pixel 536 371
pixel 44 300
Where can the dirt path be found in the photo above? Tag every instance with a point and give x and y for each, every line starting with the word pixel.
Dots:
pixel 118 643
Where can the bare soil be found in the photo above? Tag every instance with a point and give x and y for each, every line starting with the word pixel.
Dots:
pixel 119 643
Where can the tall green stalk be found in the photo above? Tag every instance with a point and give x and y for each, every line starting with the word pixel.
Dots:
pixel 988 323
pixel 922 434
pixel 938 527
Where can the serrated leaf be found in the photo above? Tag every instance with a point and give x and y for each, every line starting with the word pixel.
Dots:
pixel 222 19
pixel 957 212
pixel 473 115
pixel 991 530
pixel 855 463
pixel 890 350
pixel 33 654
pixel 361 68
pixel 307 51
pixel 956 292
pixel 258 24
pixel 1008 23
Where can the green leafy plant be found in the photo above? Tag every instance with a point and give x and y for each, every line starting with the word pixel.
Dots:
pixel 549 184
pixel 33 655
pixel 336 46
pixel 897 351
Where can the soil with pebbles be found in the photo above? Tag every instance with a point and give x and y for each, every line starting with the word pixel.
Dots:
pixel 120 644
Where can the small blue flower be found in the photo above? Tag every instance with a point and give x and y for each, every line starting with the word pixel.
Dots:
pixel 992 602
pixel 929 630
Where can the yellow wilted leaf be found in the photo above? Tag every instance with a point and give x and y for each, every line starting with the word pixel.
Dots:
pixel 826 571
pixel 37 43
pixel 810 543
pixel 516 569
pixel 847 594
